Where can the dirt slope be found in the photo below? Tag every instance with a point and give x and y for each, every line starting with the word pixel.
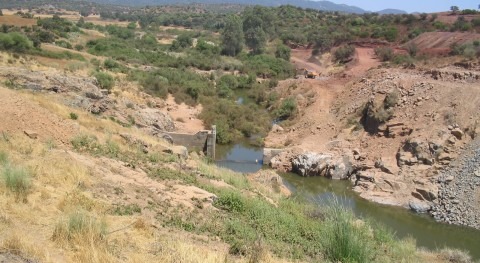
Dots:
pixel 20 114
pixel 440 42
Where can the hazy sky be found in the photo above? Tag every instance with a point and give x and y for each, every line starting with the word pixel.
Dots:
pixel 411 5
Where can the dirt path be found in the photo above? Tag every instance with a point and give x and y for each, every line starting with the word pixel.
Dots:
pixel 302 58
pixel 365 60
pixel 315 122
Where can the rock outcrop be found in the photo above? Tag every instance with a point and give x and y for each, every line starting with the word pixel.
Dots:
pixel 315 164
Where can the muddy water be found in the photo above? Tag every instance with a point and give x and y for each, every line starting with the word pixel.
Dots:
pixel 428 233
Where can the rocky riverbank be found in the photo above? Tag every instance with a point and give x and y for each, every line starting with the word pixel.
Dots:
pixel 459 194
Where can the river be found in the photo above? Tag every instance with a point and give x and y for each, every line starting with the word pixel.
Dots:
pixel 428 233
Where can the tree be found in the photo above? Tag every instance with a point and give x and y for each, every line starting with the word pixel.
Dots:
pixel 283 52
pixel 84 12
pixel 232 36
pixel 258 26
pixel 256 39
pixel 454 9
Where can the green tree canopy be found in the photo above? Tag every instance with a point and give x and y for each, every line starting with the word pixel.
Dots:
pixel 232 36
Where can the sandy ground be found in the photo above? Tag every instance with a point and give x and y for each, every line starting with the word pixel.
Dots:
pixel 184 116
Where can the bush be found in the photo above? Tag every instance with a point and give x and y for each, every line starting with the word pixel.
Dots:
pixel 64 44
pixel 105 80
pixel 3 156
pixel 391 99
pixel 268 66
pixel 283 52
pixel 344 240
pixel 412 49
pixel 344 54
pixel 110 64
pixel 17 180
pixel 73 116
pixel 230 201
pixel 287 109
pixel 79 47
pixel 384 53
pixel 122 210
pixel 15 42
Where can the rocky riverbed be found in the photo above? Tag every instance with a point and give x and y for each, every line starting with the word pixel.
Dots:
pixel 459 194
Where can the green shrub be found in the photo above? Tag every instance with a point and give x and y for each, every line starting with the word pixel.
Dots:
pixel 3 158
pixel 17 180
pixel 344 54
pixel 73 116
pixel 230 201
pixel 412 49
pixel 111 149
pixel 15 42
pixel 126 210
pixel 79 47
pixel 391 99
pixel 105 80
pixel 287 109
pixel 404 60
pixel 283 52
pixel 268 66
pixel 344 239
pixel 384 53
pixel 64 44
pixel 110 64
pixel 85 143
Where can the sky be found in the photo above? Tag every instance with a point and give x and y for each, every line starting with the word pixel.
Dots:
pixel 411 5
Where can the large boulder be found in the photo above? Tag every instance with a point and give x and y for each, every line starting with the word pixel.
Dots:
pixel 419 206
pixel 316 164
pixel 155 119
pixel 311 164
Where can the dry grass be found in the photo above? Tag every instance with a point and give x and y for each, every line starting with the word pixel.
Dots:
pixel 18 246
pixel 14 20
pixel 86 234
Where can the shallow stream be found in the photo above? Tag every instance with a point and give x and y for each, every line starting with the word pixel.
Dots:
pixel 428 233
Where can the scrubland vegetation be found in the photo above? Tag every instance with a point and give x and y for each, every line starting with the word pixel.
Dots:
pixel 234 49
pixel 212 59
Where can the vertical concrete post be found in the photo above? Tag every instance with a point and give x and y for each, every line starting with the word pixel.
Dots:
pixel 214 140
pixel 211 141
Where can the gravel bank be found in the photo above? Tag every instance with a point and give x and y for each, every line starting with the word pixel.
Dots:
pixel 459 193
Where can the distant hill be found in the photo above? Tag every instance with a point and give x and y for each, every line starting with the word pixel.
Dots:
pixel 391 11
pixel 319 5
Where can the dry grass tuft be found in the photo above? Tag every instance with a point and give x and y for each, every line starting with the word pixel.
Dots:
pixel 17 181
pixel 454 256
pixel 17 246
pixel 79 228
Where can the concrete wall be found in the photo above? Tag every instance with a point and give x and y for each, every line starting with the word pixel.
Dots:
pixel 201 141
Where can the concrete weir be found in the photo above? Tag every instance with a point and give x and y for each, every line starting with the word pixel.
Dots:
pixel 200 141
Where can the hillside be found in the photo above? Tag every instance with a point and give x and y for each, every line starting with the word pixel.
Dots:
pixel 91 169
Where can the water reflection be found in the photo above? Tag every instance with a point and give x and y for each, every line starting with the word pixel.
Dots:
pixel 241 157
pixel 404 223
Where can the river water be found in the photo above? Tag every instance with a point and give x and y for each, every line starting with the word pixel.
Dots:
pixel 428 233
